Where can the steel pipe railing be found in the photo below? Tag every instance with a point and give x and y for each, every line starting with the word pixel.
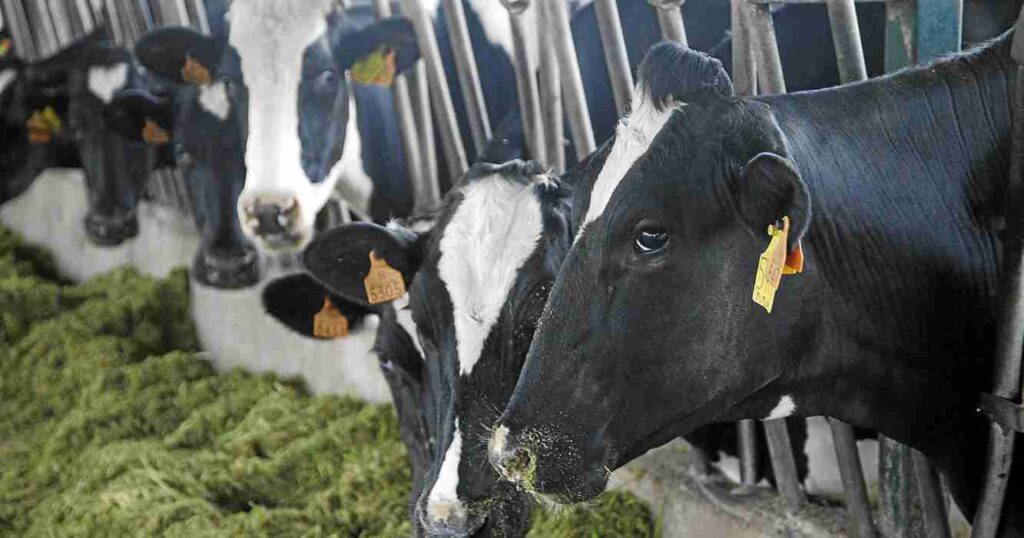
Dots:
pixel 557 16
pixel 616 58
pixel 846 36
pixel 933 500
pixel 428 142
pixel 469 78
pixel 440 97
pixel 670 19
pixel 746 434
pixel 526 79
pixel 852 476
pixel 20 30
pixel 784 464
pixel 551 100
pixel 744 71
pixel 770 79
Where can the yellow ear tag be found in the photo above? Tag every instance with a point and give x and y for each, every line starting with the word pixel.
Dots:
pixel 383 283
pixel 194 72
pixel 154 135
pixel 5 46
pixel 42 125
pixel 773 263
pixel 329 322
pixel 377 68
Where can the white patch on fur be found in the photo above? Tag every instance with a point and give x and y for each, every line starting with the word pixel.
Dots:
pixel 496 445
pixel 404 317
pixel 105 80
pixel 213 98
pixel 443 502
pixel 7 76
pixel 783 409
pixel 271 37
pixel 495 22
pixel 633 137
pixel 349 173
pixel 492 233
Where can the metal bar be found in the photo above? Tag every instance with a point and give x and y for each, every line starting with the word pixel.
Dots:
pixel 744 73
pixel 572 82
pixel 899 513
pixel 113 22
pixel 61 22
pixel 810 1
pixel 551 100
pixel 21 31
pixel 614 44
pixel 746 433
pixel 670 19
pixel 937 28
pixel 406 118
pixel 173 13
pixel 846 37
pixel 766 50
pixel 42 29
pixel 425 128
pixel 853 479
pixel 933 501
pixel 202 20
pixel 526 79
pixel 86 15
pixel 469 78
pixel 451 139
pixel 1010 335
pixel 784 465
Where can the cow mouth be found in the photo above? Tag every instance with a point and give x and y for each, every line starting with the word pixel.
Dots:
pixel 109 231
pixel 232 270
pixel 286 242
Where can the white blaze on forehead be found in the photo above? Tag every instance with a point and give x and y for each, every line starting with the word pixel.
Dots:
pixel 783 409
pixel 271 37
pixel 104 80
pixel 492 233
pixel 7 76
pixel 213 98
pixel 633 137
pixel 443 501
pixel 495 23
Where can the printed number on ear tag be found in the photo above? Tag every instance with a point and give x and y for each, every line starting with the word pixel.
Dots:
pixel 383 283
pixel 153 135
pixel 377 68
pixel 770 266
pixel 194 72
pixel 329 322
pixel 42 125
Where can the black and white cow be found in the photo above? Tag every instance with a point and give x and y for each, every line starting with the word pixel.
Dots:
pixel 53 116
pixel 893 187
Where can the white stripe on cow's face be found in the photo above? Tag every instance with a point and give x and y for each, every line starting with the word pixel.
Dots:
pixel 213 98
pixel 271 37
pixel 633 137
pixel 349 173
pixel 7 76
pixel 443 502
pixel 404 317
pixel 492 233
pixel 105 80
pixel 783 409
pixel 495 23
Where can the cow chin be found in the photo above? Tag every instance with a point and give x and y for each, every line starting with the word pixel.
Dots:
pixel 283 243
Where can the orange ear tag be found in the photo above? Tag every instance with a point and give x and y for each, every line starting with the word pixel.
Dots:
pixel 42 125
pixel 194 72
pixel 383 283
pixel 5 46
pixel 154 135
pixel 329 322
pixel 773 263
pixel 377 68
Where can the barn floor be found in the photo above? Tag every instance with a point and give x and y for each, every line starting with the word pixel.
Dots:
pixel 111 423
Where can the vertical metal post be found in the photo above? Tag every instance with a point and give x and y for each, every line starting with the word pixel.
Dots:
pixel 853 479
pixel 766 50
pixel 846 37
pixel 202 20
pixel 406 119
pixel 61 23
pixel 174 13
pixel 572 82
pixel 526 79
pixel 899 513
pixel 670 19
pixel 425 128
pixel 744 73
pixel 21 31
pixel 933 500
pixel 551 98
pixel 469 78
pixel 42 28
pixel 746 432
pixel 113 22
pixel 451 139
pixel 614 44
pixel 784 464
pixel 85 15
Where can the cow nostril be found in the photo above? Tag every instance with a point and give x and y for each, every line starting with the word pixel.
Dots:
pixel 515 464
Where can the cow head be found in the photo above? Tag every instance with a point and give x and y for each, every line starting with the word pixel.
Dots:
pixel 650 330
pixel 476 285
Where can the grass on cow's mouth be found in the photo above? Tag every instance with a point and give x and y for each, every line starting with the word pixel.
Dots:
pixel 111 425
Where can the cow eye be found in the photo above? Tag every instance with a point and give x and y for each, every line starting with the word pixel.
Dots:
pixel 327 84
pixel 650 240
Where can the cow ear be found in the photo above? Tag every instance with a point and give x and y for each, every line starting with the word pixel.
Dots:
pixel 768 188
pixel 182 55
pixel 674 72
pixel 140 116
pixel 340 257
pixel 392 38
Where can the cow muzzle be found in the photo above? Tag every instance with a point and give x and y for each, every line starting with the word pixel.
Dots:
pixel 275 222
pixel 448 518
pixel 111 230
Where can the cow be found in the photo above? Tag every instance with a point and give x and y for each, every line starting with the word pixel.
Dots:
pixel 890 195
pixel 53 117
